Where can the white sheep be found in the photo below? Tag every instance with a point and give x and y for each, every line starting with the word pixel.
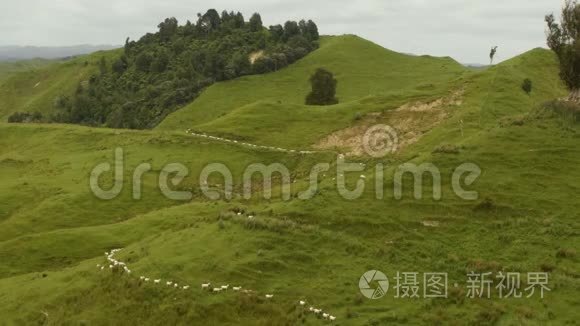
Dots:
pixel 302 302
pixel 311 309
pixel 332 318
pixel 147 279
pixel 269 296
pixel 175 285
pixel 237 288
pixel 317 311
pixel 225 287
pixel 142 278
pixel 205 286
pixel 325 315
pixel 186 287
pixel 169 283
pixel 103 267
pixel 217 290
pixel 157 281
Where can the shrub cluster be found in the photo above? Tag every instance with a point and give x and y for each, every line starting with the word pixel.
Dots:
pixel 25 117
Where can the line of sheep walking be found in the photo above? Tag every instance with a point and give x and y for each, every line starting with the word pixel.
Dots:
pixel 318 312
pixel 123 268
pixel 188 131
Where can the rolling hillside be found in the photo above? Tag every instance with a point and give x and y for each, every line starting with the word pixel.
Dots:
pixel 364 71
pixel 53 231
pixel 8 68
pixel 38 90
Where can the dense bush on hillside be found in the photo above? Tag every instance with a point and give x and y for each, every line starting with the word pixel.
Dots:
pixel 164 70
pixel 25 117
pixel 323 88
pixel 527 86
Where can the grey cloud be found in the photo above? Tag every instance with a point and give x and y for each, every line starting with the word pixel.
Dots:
pixel 461 29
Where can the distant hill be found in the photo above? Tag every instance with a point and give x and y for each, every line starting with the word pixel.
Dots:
pixel 10 67
pixel 15 52
pixel 476 66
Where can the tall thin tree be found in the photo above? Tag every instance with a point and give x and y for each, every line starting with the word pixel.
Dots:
pixel 492 54
pixel 564 40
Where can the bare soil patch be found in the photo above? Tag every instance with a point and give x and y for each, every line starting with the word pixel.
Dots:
pixel 411 121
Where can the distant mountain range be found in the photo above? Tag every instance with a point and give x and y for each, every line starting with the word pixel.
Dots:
pixel 12 53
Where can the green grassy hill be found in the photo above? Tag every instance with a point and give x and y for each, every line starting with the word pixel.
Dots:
pixel 38 89
pixel 10 67
pixel 363 69
pixel 53 231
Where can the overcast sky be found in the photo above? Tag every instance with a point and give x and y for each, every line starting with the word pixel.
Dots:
pixel 462 29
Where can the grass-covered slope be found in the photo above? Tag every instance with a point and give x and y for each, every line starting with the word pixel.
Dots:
pixel 37 90
pixel 53 231
pixel 497 91
pixel 314 250
pixel 362 68
pixel 8 68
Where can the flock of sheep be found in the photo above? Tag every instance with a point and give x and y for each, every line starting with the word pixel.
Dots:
pixel 188 131
pixel 119 265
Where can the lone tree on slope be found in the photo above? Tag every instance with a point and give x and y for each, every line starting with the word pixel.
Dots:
pixel 323 88
pixel 492 54
pixel 527 86
pixel 563 39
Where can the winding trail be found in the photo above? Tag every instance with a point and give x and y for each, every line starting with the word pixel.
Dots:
pixel 230 141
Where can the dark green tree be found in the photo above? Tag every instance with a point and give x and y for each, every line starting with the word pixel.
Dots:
pixel 564 40
pixel 143 62
pixel 276 33
pixel 238 21
pixel 312 31
pixel 290 29
pixel 492 54
pixel 299 41
pixel 210 21
pixel 527 86
pixel 159 63
pixel 167 28
pixel 263 65
pixel 120 65
pixel 255 23
pixel 241 64
pixel 323 88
